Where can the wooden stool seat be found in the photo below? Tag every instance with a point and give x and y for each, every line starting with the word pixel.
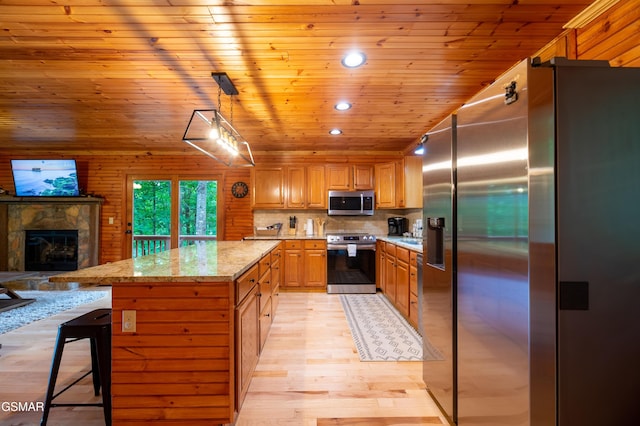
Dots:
pixel 96 326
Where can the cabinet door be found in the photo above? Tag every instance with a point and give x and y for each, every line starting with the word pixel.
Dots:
pixel 385 178
pixel 413 182
pixel 247 343
pixel 401 200
pixel 390 278
pixel 381 260
pixel 265 322
pixel 413 294
pixel 402 287
pixel 315 267
pixel 362 177
pixel 296 187
pixel 316 188
pixel 338 177
pixel 293 268
pixel 268 187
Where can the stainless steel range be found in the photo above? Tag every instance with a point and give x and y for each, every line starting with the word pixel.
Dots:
pixel 351 263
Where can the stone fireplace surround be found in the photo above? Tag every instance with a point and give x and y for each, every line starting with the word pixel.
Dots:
pixel 18 214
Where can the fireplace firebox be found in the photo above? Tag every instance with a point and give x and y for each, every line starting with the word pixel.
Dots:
pixel 51 250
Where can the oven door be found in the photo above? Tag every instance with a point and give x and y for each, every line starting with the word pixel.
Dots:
pixel 349 271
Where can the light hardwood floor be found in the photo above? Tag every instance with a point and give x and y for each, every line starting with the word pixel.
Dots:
pixel 309 374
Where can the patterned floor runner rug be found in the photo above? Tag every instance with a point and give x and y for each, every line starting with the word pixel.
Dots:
pixel 379 331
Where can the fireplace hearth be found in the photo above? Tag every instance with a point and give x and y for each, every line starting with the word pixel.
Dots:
pixel 51 250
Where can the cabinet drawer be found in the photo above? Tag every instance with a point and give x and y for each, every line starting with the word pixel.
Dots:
pixel 246 282
pixel 391 249
pixel 276 253
pixel 264 265
pixel 293 244
pixel 413 280
pixel 413 258
pixel 265 288
pixel 402 254
pixel 315 244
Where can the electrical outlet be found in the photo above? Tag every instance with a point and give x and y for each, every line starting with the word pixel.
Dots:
pixel 128 321
pixel 110 220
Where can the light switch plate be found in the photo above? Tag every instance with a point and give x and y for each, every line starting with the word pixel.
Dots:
pixel 128 321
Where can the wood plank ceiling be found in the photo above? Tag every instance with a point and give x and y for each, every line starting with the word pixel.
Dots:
pixel 114 76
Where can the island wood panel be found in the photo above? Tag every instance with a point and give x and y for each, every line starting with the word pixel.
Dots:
pixel 182 350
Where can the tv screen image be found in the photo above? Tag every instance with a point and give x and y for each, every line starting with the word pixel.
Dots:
pixel 45 178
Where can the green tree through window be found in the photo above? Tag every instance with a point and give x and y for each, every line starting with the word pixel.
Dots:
pixel 153 226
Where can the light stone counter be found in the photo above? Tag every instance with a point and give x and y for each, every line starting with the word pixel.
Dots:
pixel 414 244
pixel 285 237
pixel 203 262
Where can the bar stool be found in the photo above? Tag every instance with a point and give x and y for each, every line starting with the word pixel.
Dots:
pixel 96 326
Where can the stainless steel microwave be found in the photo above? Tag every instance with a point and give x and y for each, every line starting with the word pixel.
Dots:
pixel 350 203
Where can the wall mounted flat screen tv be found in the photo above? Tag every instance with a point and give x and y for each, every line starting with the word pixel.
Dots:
pixel 45 178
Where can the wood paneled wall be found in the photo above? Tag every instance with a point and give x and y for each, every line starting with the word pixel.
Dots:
pixel 613 36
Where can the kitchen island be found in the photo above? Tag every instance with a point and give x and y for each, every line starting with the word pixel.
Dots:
pixel 192 335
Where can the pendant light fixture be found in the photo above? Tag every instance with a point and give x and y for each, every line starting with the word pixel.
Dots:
pixel 212 134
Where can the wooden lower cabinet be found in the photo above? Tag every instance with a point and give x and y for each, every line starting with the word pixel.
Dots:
pixel 293 264
pixel 315 264
pixel 381 259
pixel 414 306
pixel 398 280
pixel 305 265
pixel 247 343
pixel 402 280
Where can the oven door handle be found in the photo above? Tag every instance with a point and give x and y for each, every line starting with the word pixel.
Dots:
pixel 344 247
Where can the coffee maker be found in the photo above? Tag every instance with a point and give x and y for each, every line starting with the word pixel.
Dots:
pixel 398 226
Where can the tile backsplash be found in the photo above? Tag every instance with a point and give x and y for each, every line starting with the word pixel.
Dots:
pixel 376 224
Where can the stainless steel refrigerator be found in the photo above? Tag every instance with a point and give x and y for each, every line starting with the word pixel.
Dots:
pixel 532 271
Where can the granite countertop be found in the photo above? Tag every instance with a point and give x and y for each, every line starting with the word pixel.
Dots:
pixel 414 244
pixel 208 261
pixel 285 237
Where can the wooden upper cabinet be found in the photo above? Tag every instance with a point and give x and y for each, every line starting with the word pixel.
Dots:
pixel 296 186
pixel 385 188
pixel 268 187
pixel 362 177
pixel 398 184
pixel 349 177
pixel 413 182
pixel 338 177
pixel 316 187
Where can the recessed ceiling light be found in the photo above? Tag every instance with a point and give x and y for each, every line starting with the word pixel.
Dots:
pixel 342 106
pixel 335 132
pixel 354 59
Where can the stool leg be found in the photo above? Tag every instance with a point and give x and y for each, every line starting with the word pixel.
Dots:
pixel 53 375
pixel 95 369
pixel 104 363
